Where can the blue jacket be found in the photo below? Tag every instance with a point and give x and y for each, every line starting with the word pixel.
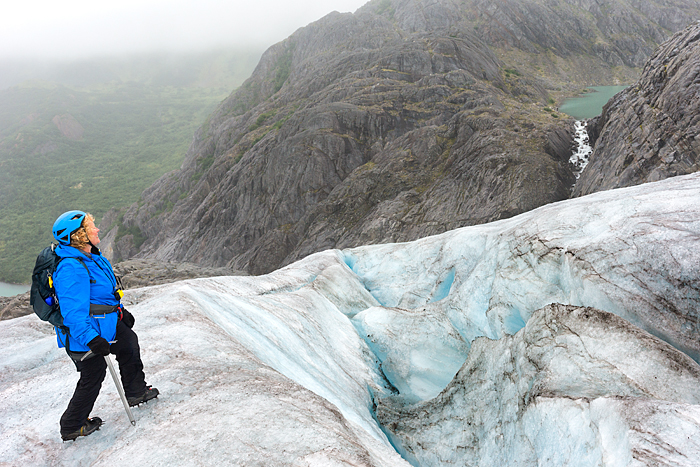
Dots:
pixel 76 290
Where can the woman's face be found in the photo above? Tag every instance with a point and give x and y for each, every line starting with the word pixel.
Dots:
pixel 92 232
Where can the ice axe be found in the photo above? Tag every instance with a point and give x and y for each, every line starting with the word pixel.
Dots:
pixel 117 383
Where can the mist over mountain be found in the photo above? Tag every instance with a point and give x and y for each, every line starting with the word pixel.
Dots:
pixel 95 133
pixel 405 119
pixel 74 29
pixel 225 68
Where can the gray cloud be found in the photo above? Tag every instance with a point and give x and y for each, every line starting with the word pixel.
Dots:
pixel 78 28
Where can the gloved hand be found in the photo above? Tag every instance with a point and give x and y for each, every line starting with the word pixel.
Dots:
pixel 99 346
pixel 128 318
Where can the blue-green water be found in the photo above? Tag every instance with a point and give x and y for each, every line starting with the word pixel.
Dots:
pixel 8 290
pixel 590 104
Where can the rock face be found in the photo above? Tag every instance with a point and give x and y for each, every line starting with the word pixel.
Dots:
pixel 573 374
pixel 69 127
pixel 390 124
pixel 13 307
pixel 618 32
pixel 143 272
pixel 651 130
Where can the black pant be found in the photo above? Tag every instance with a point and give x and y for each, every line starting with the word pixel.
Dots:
pixel 92 373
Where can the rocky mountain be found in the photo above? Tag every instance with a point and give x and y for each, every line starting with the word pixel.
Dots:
pixel 619 32
pixel 14 307
pixel 405 119
pixel 650 131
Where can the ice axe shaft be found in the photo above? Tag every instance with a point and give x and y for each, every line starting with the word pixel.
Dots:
pixel 120 389
pixel 117 383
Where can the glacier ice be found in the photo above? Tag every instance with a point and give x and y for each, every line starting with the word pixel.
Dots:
pixel 633 252
pixel 576 386
pixel 420 351
pixel 448 349
pixel 219 403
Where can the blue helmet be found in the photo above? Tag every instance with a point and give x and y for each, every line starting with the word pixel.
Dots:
pixel 66 224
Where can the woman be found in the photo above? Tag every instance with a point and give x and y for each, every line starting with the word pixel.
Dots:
pixel 88 295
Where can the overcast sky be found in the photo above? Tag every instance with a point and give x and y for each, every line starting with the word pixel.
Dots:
pixel 85 28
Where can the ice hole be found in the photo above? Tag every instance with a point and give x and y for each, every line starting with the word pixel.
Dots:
pixel 444 287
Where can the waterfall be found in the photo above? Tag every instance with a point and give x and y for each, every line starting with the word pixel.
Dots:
pixel 579 159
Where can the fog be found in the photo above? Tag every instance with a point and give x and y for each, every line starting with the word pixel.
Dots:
pixel 74 29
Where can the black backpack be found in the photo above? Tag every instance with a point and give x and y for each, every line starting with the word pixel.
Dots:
pixel 42 295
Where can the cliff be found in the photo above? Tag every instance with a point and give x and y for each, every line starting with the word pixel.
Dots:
pixel 651 130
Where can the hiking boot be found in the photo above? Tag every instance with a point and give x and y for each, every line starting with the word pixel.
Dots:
pixel 149 393
pixel 91 425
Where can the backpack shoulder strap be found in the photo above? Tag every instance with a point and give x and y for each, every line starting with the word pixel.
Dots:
pixel 80 260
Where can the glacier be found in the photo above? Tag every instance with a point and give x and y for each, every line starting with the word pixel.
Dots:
pixel 568 335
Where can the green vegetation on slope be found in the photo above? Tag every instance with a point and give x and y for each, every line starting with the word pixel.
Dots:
pixel 85 148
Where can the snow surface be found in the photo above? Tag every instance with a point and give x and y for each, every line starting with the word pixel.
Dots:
pixel 287 368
